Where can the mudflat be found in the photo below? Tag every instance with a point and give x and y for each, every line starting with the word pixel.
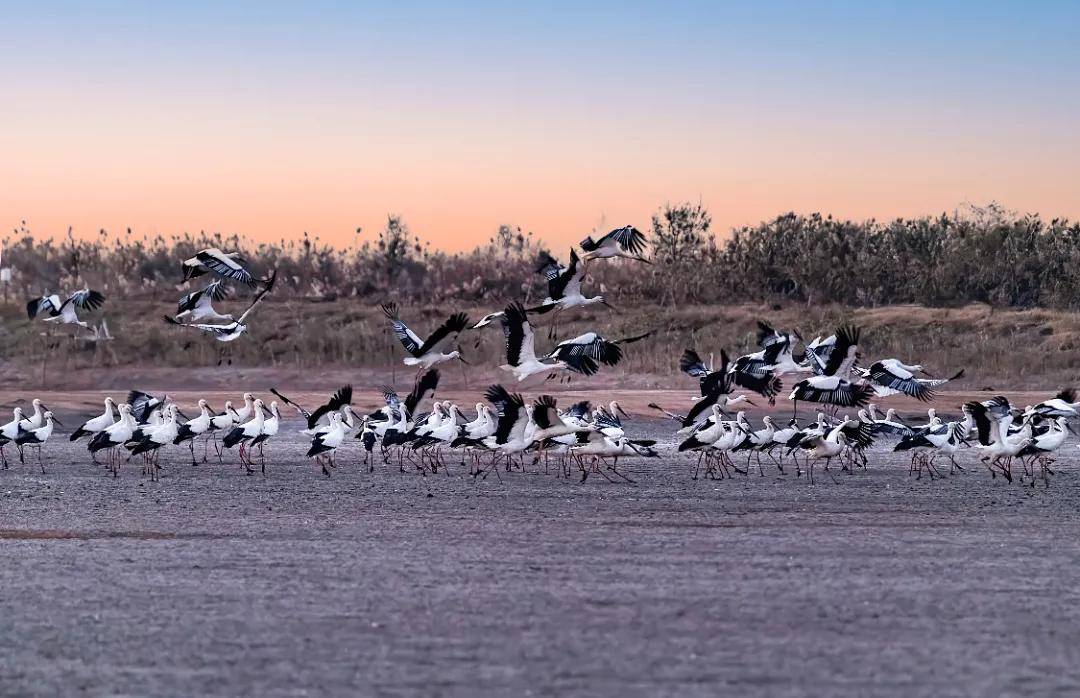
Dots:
pixel 214 582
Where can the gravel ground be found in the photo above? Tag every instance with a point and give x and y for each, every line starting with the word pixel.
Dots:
pixel 210 582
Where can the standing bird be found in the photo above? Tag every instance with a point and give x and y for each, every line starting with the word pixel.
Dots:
pixel 270 429
pixel 326 442
pixel 144 405
pixel 97 424
pixel 113 437
pixel 424 353
pixel 229 332
pixel 156 436
pixel 36 438
pixel 242 434
pixel 9 432
pixel 833 386
pixel 198 306
pixel 194 428
pixel 228 265
pixel 626 241
pixel 64 313
pixel 717 386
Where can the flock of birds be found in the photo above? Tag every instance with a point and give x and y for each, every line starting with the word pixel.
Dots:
pixel 506 429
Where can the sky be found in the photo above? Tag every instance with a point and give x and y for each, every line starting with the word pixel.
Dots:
pixel 269 119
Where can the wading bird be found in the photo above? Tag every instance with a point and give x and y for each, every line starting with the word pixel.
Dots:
pixel 521 349
pixel 564 285
pixel 113 437
pixel 35 438
pixel 833 386
pixel 341 398
pixel 9 432
pixel 326 442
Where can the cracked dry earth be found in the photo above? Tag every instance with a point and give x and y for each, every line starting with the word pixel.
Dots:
pixel 210 582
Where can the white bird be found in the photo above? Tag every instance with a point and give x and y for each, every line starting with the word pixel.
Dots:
pixel 269 430
pixel 37 437
pixel 228 265
pixel 992 420
pixel 114 436
pixel 521 357
pixel 37 419
pixel 892 376
pixel 1064 404
pixel 591 347
pixel 340 400
pixel 325 443
pixel 230 331
pixel 198 306
pixel 97 424
pixel 833 386
pixel 425 353
pixel 564 285
pixel 243 433
pixel 156 436
pixel 194 428
pixel 9 432
pixel 626 241
pixel 64 313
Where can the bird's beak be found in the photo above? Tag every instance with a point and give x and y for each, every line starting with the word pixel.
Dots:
pixel 54 417
pixel 462 360
pixel 926 373
pixel 751 402
pixel 181 413
pixel 623 412
pixel 609 305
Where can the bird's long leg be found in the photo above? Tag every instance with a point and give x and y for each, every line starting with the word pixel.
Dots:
pixel 191 446
pixel 41 463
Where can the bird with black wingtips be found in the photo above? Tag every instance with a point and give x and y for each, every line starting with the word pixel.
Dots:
pixel 893 377
pixel 325 443
pixel 230 331
pixel 143 405
pixel 64 313
pixel 594 347
pixel 227 265
pixel 242 434
pixel 521 359
pixel 270 428
pixel 198 306
pixel 425 352
pixel 154 438
pixel 564 287
pixel 192 429
pixel 36 438
pixel 9 432
pixel 833 386
pixel 627 242
pixel 114 437
pixel 341 398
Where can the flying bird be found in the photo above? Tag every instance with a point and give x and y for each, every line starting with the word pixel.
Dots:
pixel 64 312
pixel 198 306
pixel 626 241
pixel 228 265
pixel 425 353
pixel 232 330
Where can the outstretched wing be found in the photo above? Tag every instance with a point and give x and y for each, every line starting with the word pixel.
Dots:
pixel 842 358
pixel 902 381
pixel 548 266
pixel 342 397
pixel 629 238
pixel 454 324
pixel 520 341
pixel 692 365
pixel 407 337
pixel 267 288
pixel 225 266
pixel 86 299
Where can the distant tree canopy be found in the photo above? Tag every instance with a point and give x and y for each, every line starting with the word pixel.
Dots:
pixel 982 254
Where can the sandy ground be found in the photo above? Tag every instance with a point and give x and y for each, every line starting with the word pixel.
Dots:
pixel 211 582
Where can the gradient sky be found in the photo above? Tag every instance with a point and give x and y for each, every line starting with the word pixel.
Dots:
pixel 271 118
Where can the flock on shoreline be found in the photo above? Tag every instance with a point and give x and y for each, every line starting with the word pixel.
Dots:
pixel 506 429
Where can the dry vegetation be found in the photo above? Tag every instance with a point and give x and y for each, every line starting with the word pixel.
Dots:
pixel 988 290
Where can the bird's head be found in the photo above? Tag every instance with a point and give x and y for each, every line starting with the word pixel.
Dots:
pixel 109 402
pixel 248 397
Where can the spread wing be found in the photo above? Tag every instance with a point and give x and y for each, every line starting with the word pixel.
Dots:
pixel 902 381
pixel 567 280
pixel 342 397
pixel 407 337
pixel 85 299
pixel 520 341
pixel 453 325
pixel 628 237
pixel 225 266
